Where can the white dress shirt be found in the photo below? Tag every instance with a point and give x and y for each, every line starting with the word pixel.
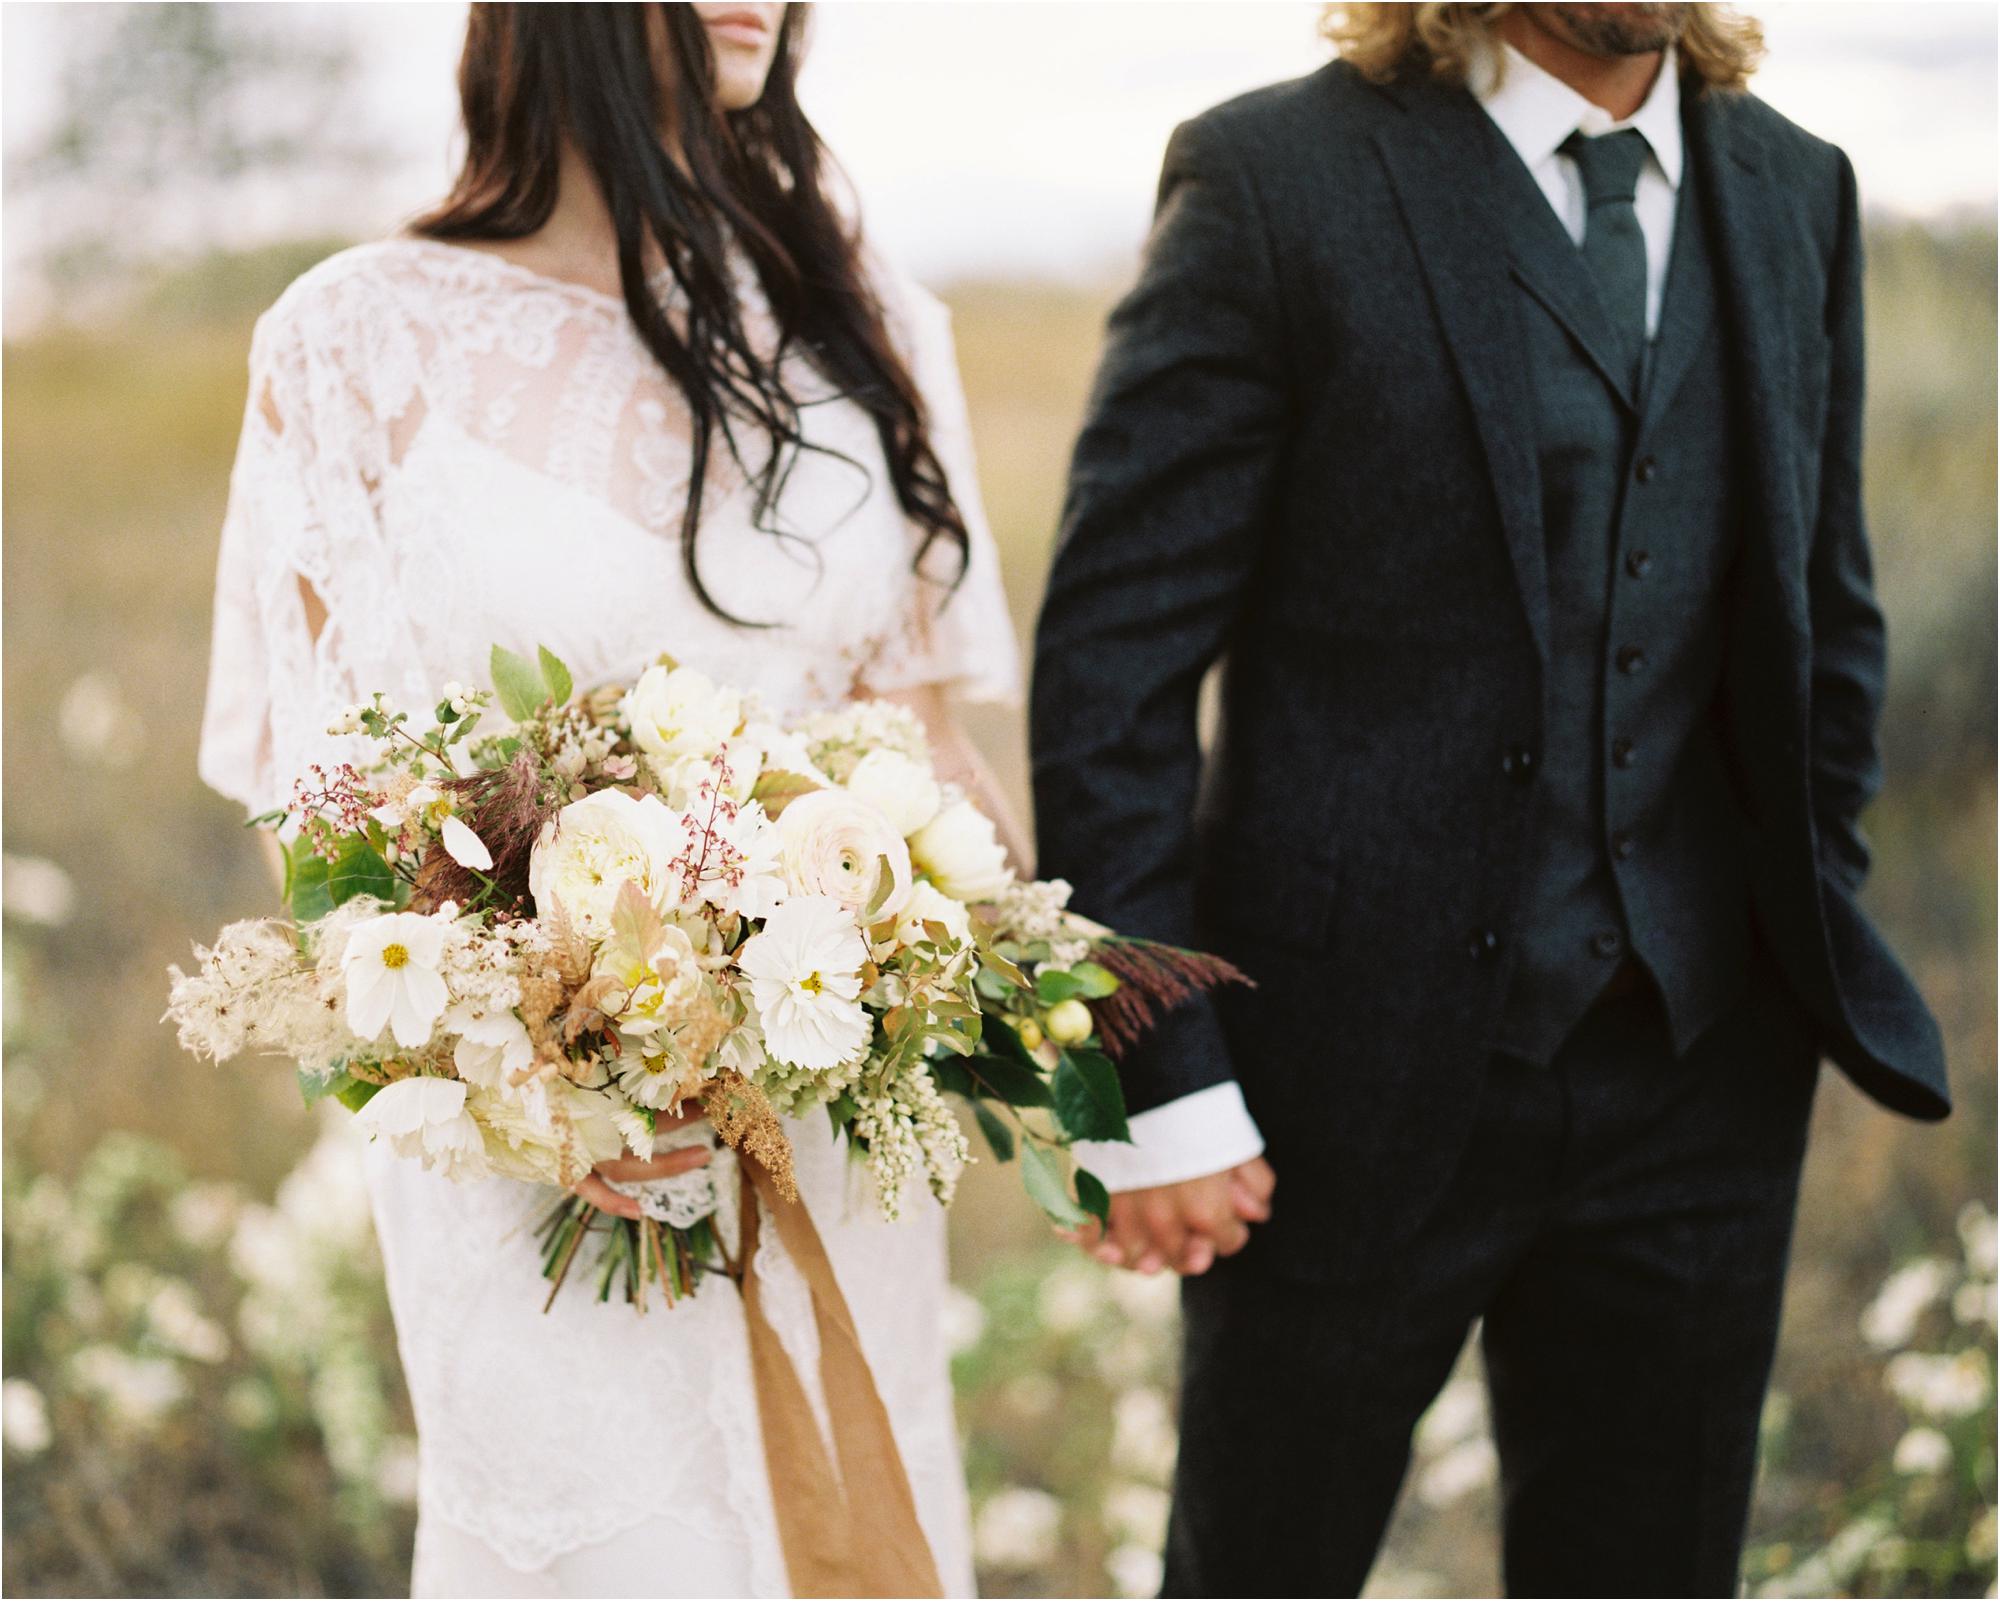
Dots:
pixel 1537 111
pixel 1212 1129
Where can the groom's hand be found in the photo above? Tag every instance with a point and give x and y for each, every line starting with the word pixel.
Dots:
pixel 1184 1226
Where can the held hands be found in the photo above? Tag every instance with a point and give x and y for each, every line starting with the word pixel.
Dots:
pixel 640 1169
pixel 1184 1226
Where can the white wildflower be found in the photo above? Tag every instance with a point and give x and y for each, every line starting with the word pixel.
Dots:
pixel 390 966
pixel 1016 1529
pixel 1891 1318
pixel 1922 1451
pixel 24 1418
pixel 426 1118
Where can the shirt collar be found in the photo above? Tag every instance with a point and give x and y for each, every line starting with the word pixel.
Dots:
pixel 1537 111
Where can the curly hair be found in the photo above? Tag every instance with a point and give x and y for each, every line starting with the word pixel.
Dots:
pixel 1719 45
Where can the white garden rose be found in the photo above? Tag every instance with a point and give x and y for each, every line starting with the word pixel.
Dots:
pixel 594 846
pixel 836 844
pixel 677 713
pixel 929 904
pixel 962 855
pixel 901 789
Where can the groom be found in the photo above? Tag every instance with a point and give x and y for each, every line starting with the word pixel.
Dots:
pixel 1491 400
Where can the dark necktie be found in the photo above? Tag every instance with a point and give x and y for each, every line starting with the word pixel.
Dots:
pixel 1614 247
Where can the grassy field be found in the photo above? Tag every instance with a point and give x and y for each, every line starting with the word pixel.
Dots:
pixel 168 1432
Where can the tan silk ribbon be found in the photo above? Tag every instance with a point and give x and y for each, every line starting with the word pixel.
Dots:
pixel 851 1532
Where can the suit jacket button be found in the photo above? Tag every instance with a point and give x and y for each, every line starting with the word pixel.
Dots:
pixel 1482 945
pixel 1622 753
pixel 1647 470
pixel 1630 659
pixel 1518 763
pixel 1639 563
pixel 1607 942
pixel 1623 845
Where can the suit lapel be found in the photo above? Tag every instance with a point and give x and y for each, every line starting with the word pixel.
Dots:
pixel 1442 158
pixel 1551 268
pixel 1688 305
pixel 1751 243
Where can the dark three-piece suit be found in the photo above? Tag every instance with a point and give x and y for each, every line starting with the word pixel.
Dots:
pixel 1547 717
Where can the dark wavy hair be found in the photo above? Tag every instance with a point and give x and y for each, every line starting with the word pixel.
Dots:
pixel 675 166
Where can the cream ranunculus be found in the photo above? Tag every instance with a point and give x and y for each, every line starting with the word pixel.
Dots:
pixel 961 854
pixel 678 713
pixel 837 844
pixel 902 790
pixel 595 846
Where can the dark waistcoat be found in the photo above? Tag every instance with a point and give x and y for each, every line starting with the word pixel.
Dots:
pixel 1635 849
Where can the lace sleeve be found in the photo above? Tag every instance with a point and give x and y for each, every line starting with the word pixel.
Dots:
pixel 963 637
pixel 275 675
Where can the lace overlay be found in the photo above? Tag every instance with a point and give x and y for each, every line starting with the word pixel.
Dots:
pixel 442 450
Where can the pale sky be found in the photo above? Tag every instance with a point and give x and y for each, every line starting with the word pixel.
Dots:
pixel 997 137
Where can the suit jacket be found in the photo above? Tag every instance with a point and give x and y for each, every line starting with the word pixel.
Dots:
pixel 1308 453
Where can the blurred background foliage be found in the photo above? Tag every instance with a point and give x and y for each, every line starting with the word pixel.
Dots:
pixel 201 1393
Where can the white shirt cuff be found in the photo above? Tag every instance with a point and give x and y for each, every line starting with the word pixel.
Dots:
pixel 1207 1132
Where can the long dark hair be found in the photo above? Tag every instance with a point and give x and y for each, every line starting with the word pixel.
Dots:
pixel 533 75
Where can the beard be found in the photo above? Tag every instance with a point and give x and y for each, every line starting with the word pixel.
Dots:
pixel 1614 30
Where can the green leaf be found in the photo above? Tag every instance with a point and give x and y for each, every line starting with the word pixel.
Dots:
pixel 994 964
pixel 518 684
pixel 316 885
pixel 315 1084
pixel 1088 1099
pixel 1009 1081
pixel 357 1093
pixel 1052 986
pixel 1092 1196
pixel 1097 981
pixel 952 1078
pixel 998 1134
pixel 777 789
pixel 555 673
pixel 1043 1178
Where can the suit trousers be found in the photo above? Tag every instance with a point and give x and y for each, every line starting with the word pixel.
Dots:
pixel 1619 1229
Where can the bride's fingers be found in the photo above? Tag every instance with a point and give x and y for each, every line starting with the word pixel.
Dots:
pixel 692 1112
pixel 642 1169
pixel 602 1196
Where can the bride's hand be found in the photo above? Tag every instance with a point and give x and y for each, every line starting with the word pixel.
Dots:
pixel 641 1169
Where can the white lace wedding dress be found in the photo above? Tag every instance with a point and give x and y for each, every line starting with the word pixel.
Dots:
pixel 445 450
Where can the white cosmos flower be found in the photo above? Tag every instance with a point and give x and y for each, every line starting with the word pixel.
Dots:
pixel 902 790
pixel 679 712
pixel 465 847
pixel 805 976
pixel 492 1046
pixel 391 970
pixel 593 846
pixel 837 844
pixel 426 1118
pixel 960 852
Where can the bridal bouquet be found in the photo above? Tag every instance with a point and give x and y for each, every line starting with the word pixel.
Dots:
pixel 523 935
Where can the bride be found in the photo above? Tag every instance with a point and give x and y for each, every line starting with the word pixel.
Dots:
pixel 634 385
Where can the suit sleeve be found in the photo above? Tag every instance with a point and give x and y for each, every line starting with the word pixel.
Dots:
pixel 1170 495
pixel 1848 643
